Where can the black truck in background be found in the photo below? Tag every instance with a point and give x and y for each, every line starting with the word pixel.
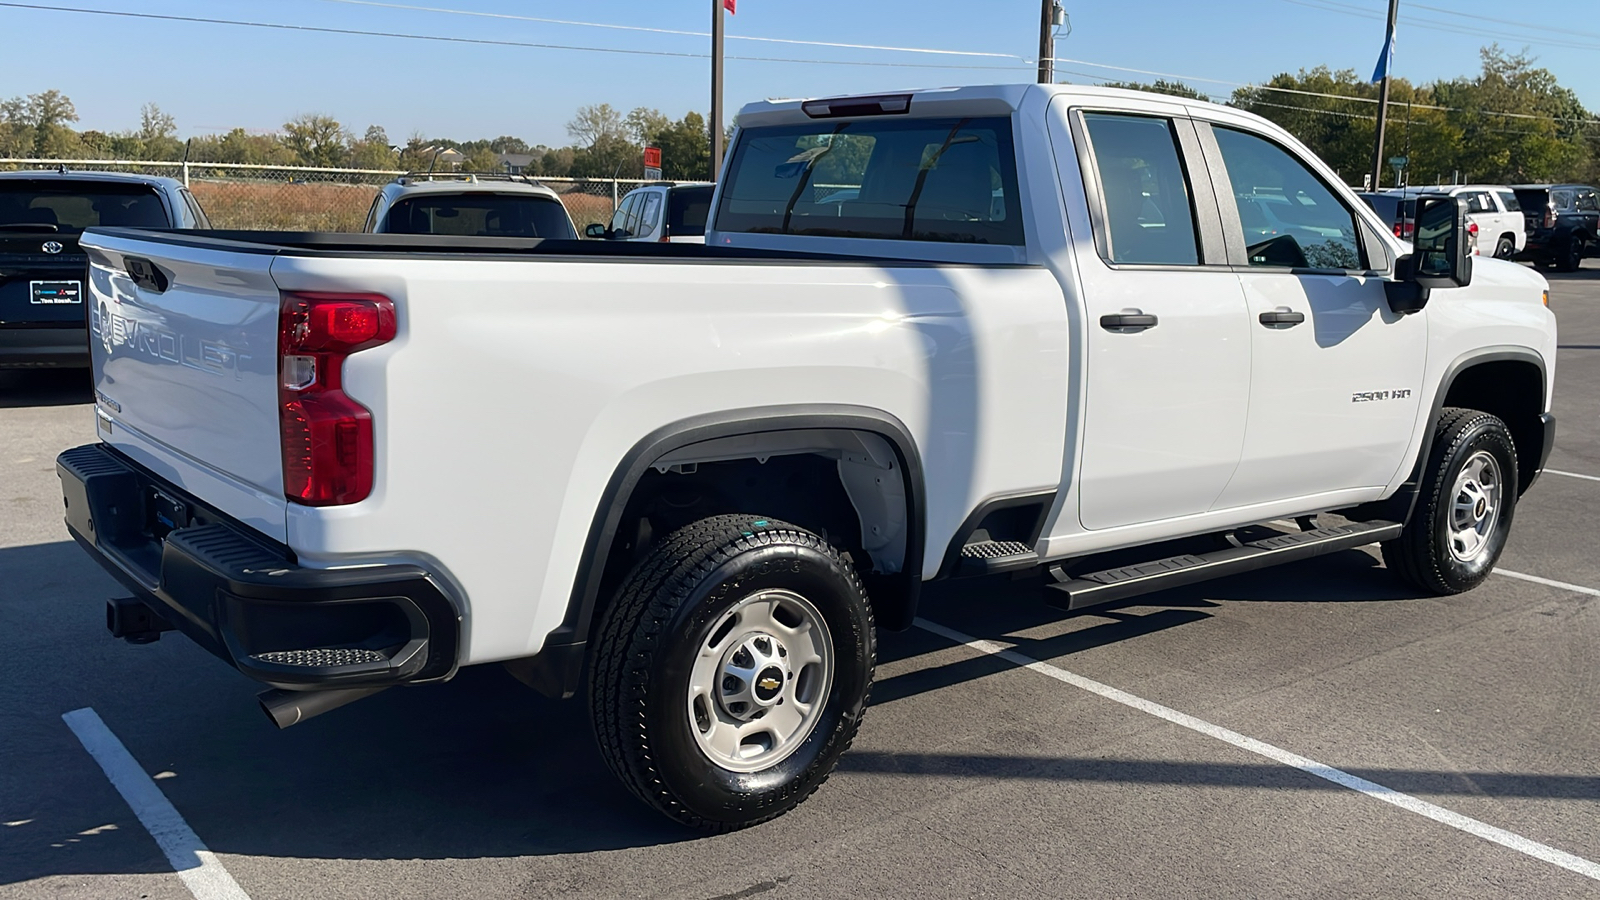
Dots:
pixel 43 273
pixel 1563 224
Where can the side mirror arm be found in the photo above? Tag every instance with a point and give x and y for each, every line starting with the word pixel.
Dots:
pixel 1404 294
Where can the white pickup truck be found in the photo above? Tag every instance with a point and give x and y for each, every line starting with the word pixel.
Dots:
pixel 1017 329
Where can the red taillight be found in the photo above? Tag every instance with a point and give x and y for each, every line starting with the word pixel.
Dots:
pixel 327 437
pixel 1472 228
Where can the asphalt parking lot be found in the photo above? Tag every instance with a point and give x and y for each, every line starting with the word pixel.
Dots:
pixel 972 776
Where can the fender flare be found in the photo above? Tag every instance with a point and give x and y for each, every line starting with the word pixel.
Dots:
pixel 557 668
pixel 1399 506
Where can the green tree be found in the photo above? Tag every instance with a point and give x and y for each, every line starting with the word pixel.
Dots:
pixel 595 123
pixel 507 144
pixel 483 159
pixel 316 140
pixel 643 125
pixel 1159 86
pixel 685 149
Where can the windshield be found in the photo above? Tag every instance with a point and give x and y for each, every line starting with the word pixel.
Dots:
pixel 482 215
pixel 687 209
pixel 906 179
pixel 73 206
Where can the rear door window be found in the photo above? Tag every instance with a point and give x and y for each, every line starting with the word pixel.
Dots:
pixel 1306 225
pixel 1144 191
pixel 952 180
pixel 1587 201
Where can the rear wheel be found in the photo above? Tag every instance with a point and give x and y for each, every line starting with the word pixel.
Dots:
pixel 1462 518
pixel 1505 248
pixel 1571 258
pixel 732 671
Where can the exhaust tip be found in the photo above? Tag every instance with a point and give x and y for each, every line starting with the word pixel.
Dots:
pixel 287 708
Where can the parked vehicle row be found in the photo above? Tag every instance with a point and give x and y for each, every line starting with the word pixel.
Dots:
pixel 1549 225
pixel 1111 340
pixel 43 271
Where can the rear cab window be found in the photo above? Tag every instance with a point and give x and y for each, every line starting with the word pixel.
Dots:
pixel 480 214
pixel 933 179
pixel 67 206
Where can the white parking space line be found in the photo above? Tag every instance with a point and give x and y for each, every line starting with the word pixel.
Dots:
pixel 1573 475
pixel 1548 582
pixel 201 871
pixel 1310 766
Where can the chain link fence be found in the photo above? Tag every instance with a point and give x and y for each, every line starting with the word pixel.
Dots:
pixel 301 198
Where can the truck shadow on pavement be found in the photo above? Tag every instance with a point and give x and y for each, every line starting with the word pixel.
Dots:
pixel 44 387
pixel 482 767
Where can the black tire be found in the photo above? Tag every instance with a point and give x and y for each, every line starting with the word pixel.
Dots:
pixel 1422 556
pixel 1570 259
pixel 639 686
pixel 1506 247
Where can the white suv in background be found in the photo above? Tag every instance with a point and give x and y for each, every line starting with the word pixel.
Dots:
pixel 666 213
pixel 1493 208
pixel 470 205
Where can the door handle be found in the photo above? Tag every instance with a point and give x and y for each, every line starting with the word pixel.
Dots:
pixel 1133 320
pixel 1282 317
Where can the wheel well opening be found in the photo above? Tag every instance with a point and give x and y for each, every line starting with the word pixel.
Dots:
pixel 853 495
pixel 1512 390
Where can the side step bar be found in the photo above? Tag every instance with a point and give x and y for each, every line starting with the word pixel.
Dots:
pixel 1096 588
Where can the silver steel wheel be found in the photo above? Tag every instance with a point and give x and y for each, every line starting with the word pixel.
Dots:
pixel 760 678
pixel 1475 506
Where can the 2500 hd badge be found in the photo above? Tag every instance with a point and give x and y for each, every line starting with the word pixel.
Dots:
pixel 1369 396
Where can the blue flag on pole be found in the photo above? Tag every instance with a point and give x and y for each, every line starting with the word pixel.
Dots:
pixel 1385 59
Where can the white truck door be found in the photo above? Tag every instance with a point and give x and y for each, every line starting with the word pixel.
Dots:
pixel 1336 378
pixel 1168 342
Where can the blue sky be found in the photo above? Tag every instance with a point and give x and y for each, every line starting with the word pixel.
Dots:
pixel 214 77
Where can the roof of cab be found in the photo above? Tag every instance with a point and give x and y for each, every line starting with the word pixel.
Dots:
pixel 977 100
pixel 81 175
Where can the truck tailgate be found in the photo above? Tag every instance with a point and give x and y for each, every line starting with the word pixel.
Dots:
pixel 186 368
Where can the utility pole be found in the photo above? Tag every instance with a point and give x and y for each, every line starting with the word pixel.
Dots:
pixel 1047 42
pixel 716 88
pixel 1383 93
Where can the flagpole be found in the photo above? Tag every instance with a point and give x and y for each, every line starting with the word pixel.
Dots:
pixel 1383 93
pixel 716 88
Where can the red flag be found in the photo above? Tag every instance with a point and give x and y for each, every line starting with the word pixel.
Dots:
pixel 728 5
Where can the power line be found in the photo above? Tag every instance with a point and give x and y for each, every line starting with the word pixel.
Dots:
pixel 1283 90
pixel 1433 25
pixel 323 29
pixel 674 31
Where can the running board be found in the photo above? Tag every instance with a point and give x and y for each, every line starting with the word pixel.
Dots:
pixel 1096 588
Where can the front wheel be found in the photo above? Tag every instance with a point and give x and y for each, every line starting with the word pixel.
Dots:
pixel 732 671
pixel 1462 518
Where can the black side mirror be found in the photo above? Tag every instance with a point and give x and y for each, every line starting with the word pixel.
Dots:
pixel 1441 255
pixel 1441 247
pixel 594 230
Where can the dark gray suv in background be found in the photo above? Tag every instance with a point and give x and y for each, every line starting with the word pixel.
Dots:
pixel 43 274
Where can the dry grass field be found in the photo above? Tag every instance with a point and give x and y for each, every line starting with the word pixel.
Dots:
pixel 327 206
